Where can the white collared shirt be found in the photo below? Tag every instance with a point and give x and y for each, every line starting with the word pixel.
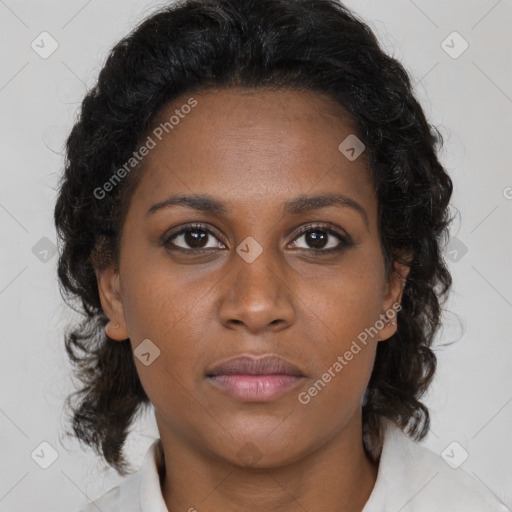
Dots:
pixel 410 478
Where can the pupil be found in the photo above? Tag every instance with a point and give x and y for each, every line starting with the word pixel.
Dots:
pixel 196 238
pixel 313 238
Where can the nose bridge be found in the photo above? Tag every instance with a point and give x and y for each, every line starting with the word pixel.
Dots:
pixel 259 275
pixel 258 295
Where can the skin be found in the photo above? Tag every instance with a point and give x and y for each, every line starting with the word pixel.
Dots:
pixel 254 150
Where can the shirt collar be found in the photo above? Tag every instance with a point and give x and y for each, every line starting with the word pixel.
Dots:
pixel 152 470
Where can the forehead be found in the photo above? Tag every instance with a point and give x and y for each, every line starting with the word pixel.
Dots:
pixel 252 146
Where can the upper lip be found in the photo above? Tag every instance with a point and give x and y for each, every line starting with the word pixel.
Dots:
pixel 251 365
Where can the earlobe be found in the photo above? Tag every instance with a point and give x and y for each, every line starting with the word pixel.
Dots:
pixel 393 299
pixel 111 301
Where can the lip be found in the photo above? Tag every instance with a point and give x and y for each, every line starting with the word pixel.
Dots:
pixel 267 364
pixel 255 379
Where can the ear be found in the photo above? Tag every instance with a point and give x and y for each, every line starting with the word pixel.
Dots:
pixel 393 296
pixel 110 295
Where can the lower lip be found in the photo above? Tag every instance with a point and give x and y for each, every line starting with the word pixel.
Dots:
pixel 255 388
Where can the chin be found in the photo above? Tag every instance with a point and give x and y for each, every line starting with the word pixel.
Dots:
pixel 267 448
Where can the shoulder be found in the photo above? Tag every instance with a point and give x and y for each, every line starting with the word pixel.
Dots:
pixel 122 498
pixel 139 491
pixel 414 479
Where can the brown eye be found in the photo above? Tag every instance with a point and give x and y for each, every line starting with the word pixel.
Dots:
pixel 193 237
pixel 196 238
pixel 316 239
pixel 320 238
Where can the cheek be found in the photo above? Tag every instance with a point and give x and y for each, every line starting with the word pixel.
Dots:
pixel 344 350
pixel 156 301
pixel 345 311
pixel 344 306
pixel 157 309
pixel 170 309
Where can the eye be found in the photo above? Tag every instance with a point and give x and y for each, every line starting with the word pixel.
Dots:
pixel 321 238
pixel 196 236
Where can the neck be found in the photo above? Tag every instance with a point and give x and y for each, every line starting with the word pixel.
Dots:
pixel 336 476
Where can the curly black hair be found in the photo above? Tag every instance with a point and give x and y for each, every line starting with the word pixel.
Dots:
pixel 199 45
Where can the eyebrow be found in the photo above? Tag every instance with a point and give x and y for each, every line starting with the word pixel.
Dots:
pixel 298 205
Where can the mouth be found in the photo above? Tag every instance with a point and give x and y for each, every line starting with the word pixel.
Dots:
pixel 255 379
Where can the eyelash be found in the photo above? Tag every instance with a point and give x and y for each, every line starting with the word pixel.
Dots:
pixel 344 240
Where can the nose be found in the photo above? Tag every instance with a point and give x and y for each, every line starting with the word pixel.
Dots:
pixel 257 296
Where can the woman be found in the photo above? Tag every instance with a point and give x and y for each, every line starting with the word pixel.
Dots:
pixel 252 216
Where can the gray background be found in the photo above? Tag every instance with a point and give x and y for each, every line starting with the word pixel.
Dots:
pixel 468 97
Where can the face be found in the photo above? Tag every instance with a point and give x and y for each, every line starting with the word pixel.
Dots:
pixel 206 281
